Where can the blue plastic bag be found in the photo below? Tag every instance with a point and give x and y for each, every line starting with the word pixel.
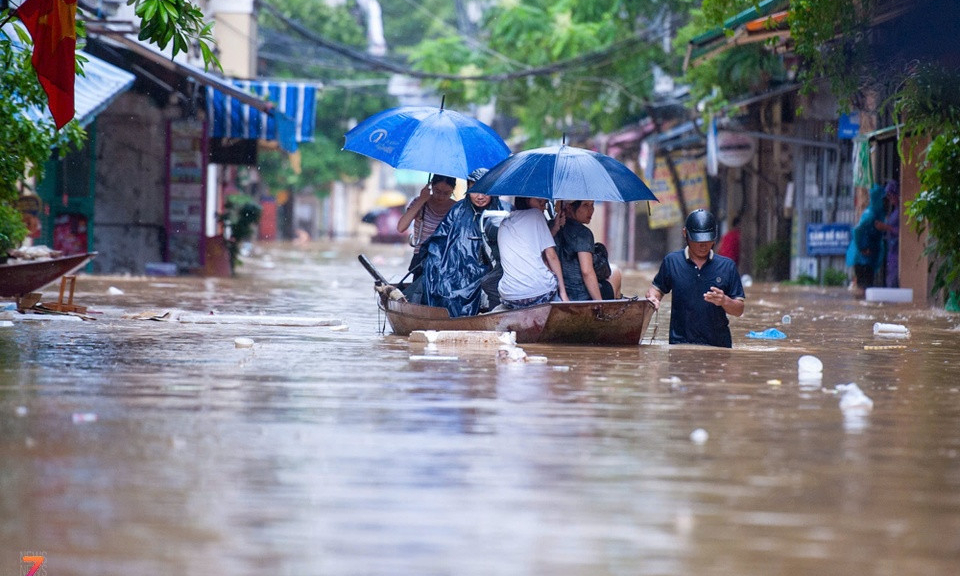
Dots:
pixel 768 334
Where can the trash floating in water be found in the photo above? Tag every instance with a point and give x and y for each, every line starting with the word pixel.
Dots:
pixel 768 334
pixel 853 398
pixel 243 342
pixel 808 364
pixel 114 291
pixel 84 417
pixel 472 337
pixel 699 436
pixel 774 382
pixel 511 355
pixel 561 368
pixel 22 411
pixel 433 358
pixel 670 380
pixel 890 330
pixel 786 319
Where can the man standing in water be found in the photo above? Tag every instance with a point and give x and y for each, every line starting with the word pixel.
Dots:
pixel 706 287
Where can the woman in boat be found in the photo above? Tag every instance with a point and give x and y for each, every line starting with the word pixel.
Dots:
pixel 425 212
pixel 531 269
pixel 455 261
pixel 587 272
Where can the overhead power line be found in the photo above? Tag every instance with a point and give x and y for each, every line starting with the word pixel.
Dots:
pixel 374 63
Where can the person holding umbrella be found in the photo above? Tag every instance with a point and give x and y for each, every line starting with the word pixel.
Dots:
pixel 455 263
pixel 706 287
pixel 425 212
pixel 531 269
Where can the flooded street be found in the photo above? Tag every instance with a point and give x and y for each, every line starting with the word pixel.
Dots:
pixel 132 446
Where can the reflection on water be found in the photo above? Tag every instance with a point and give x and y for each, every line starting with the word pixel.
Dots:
pixel 332 452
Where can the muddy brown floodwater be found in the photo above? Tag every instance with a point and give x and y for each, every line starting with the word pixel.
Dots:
pixel 142 447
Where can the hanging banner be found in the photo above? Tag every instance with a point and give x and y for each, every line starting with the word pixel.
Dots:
pixel 693 180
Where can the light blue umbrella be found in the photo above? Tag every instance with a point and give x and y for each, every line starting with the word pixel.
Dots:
pixel 564 173
pixel 428 139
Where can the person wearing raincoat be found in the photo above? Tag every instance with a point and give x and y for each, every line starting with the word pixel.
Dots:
pixel 865 252
pixel 455 261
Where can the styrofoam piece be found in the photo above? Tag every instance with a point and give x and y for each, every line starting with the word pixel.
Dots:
pixel 889 294
pixel 258 320
pixel 472 337
pixel 891 330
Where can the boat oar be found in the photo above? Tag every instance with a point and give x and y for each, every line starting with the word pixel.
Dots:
pixel 372 269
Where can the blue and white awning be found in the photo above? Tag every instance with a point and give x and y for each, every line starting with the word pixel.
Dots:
pixel 290 121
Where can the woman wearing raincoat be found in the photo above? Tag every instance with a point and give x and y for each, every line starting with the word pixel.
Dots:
pixel 455 261
pixel 866 247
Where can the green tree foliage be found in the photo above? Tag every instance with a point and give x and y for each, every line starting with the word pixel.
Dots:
pixel 27 144
pixel 348 94
pixel 929 105
pixel 556 66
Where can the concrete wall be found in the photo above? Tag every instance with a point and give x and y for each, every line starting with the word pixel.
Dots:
pixel 129 199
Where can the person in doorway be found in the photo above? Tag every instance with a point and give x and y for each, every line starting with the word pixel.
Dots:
pixel 866 246
pixel 706 287
pixel 425 212
pixel 587 272
pixel 455 262
pixel 531 269
pixel 730 243
pixel 890 227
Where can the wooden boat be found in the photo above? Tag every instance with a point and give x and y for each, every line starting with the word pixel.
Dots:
pixel 24 277
pixel 606 322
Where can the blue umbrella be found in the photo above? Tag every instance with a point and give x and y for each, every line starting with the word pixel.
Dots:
pixel 428 139
pixel 564 173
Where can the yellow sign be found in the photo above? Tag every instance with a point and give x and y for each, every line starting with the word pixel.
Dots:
pixel 691 172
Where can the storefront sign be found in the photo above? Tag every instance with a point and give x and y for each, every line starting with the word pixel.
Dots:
pixel 828 239
pixel 693 180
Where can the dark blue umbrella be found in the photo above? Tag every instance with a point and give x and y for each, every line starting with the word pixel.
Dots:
pixel 428 139
pixel 564 173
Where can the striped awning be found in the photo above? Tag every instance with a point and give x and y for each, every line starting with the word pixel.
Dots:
pixel 290 120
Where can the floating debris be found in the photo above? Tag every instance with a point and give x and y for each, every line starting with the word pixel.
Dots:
pixel 243 342
pixel 433 358
pixel 699 436
pixel 853 398
pixel 890 330
pixel 84 417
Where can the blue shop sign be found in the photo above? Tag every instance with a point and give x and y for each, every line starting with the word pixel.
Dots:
pixel 828 239
pixel 848 126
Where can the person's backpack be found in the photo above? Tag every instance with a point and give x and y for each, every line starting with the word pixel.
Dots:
pixel 601 262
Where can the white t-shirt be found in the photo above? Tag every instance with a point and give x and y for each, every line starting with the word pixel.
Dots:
pixel 522 238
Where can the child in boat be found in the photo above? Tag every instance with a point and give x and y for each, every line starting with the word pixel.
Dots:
pixel 531 269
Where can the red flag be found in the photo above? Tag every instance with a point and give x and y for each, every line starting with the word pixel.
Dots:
pixel 52 25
